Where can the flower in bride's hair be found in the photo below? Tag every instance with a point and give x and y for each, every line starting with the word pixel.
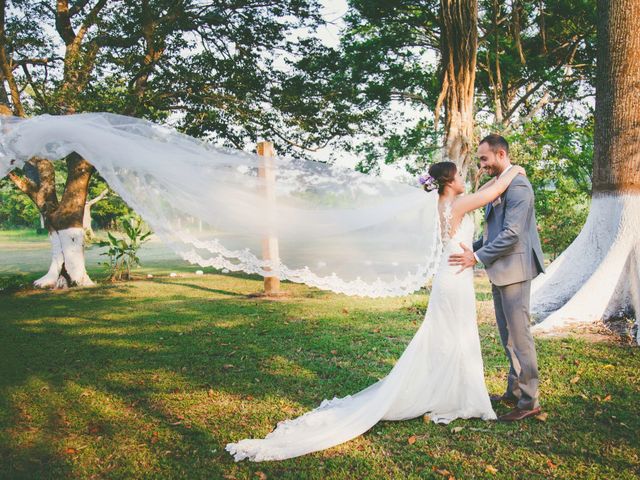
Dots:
pixel 428 182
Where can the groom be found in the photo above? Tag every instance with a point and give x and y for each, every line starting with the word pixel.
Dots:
pixel 511 253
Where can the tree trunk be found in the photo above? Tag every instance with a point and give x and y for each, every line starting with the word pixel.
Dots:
pixel 458 47
pixel 67 260
pixel 62 218
pixel 597 277
pixel 498 90
pixel 66 222
pixel 86 217
pixel 542 25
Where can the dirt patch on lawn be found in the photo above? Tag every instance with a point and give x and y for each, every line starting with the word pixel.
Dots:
pixel 615 331
pixel 618 331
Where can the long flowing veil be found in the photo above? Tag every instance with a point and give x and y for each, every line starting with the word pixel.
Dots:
pixel 335 229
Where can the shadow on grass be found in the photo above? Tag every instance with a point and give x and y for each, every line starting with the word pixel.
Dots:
pixel 154 379
pixel 201 288
pixel 143 353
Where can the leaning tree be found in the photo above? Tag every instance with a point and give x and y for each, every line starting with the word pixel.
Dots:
pixel 40 80
pixel 76 25
pixel 597 277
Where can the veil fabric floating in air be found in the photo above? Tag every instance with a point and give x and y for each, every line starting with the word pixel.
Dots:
pixel 336 229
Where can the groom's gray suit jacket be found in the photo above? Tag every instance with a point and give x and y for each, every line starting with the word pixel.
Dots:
pixel 510 248
pixel 511 252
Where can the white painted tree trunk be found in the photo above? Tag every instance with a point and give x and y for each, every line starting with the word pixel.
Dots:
pixel 67 250
pixel 86 215
pixel 57 260
pixel 597 277
pixel 86 220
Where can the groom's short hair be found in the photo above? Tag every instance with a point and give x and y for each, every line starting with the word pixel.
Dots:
pixel 496 142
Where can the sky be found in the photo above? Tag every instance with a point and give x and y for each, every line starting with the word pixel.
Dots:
pixel 332 11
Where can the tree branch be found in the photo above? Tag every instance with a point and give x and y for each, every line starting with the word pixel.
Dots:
pixel 90 19
pixel 6 67
pixel 33 61
pixel 63 22
pixel 538 85
pixel 39 95
pixel 77 7
pixel 24 184
pixel 411 96
pixel 95 200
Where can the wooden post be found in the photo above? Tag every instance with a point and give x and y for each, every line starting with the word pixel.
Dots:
pixel 270 242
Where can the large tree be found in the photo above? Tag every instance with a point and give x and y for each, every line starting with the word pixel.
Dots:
pixel 141 58
pixel 77 26
pixel 598 275
pixel 412 63
pixel 490 65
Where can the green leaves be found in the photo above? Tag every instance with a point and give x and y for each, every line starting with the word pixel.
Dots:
pixel 123 252
pixel 557 154
pixel 16 209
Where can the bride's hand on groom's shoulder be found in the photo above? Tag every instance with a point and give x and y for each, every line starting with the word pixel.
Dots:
pixel 520 170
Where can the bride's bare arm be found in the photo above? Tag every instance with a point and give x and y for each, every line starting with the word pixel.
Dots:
pixel 486 185
pixel 488 193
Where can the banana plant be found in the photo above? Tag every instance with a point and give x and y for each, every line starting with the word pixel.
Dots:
pixel 123 252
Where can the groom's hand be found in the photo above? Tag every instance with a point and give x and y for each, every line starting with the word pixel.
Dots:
pixel 465 260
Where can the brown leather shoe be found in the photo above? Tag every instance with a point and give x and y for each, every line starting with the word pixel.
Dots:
pixel 503 398
pixel 519 414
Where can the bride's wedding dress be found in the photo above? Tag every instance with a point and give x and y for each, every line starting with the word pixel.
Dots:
pixel 440 373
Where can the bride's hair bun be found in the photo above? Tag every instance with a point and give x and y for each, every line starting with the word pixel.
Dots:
pixel 442 173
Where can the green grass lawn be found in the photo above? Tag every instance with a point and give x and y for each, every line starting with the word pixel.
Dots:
pixel 151 378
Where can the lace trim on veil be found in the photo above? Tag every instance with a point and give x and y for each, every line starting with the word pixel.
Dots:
pixel 245 261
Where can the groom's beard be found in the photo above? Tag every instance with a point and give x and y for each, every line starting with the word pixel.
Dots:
pixel 490 171
pixel 495 173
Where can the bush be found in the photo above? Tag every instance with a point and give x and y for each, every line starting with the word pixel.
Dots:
pixel 13 282
pixel 123 252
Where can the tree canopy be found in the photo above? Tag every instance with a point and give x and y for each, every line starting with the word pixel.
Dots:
pixel 236 72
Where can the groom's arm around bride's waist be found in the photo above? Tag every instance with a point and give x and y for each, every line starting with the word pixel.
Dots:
pixel 477 245
pixel 518 203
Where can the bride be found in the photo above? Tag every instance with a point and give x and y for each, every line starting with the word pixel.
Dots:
pixel 441 371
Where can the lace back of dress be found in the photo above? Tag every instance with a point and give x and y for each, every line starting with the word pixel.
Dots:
pixel 446 223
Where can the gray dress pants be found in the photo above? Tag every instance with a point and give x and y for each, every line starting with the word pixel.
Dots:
pixel 512 314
